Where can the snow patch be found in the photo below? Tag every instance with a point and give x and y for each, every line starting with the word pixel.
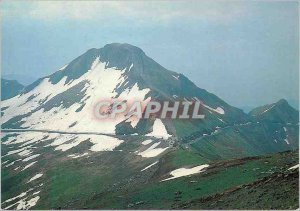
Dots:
pixel 133 121
pixel 268 109
pixel 159 130
pixel 29 165
pixel 104 143
pixel 152 151
pixel 182 172
pixel 221 120
pixel 35 177
pixel 294 167
pixel 149 166
pixel 146 142
pixel 131 66
pixel 27 204
pixel 25 152
pixel 218 110
pixel 64 67
pixel 15 169
pixel 5 162
pixel 12 163
pixel 286 141
pixel 176 77
pixel 30 157
pixel 22 204
pixel 78 155
pixel 37 192
pixel 16 197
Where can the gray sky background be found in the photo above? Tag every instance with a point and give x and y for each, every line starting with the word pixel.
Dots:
pixel 245 52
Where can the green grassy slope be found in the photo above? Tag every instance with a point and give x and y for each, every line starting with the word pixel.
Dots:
pixel 114 180
pixel 278 191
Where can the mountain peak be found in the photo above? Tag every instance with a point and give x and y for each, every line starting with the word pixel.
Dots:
pixel 121 55
pixel 117 55
pixel 123 47
pixel 10 88
pixel 282 102
pixel 280 111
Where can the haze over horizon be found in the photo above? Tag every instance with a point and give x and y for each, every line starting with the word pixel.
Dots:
pixel 244 52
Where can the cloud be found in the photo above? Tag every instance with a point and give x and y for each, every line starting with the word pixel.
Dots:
pixel 155 11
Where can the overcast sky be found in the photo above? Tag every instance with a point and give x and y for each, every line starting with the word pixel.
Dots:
pixel 244 52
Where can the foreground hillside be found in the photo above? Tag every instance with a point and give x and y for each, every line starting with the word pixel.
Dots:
pixel 138 175
pixel 277 191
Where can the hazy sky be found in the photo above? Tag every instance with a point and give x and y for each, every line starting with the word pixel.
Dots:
pixel 245 52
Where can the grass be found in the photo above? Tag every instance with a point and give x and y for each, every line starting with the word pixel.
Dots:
pixel 164 195
pixel 184 128
pixel 206 185
pixel 70 186
pixel 279 191
pixel 182 157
